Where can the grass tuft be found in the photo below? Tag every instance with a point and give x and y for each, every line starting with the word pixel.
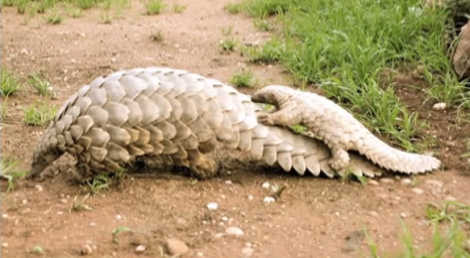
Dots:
pixel 10 83
pixel 154 7
pixel 9 172
pixel 233 8
pixel 243 79
pixel 39 114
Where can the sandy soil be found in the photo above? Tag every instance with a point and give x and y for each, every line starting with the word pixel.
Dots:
pixel 315 217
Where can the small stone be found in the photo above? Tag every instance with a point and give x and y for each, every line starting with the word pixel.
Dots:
pixel 73 61
pixel 406 181
pixel 234 231
pixel 4 215
pixel 265 185
pixel 212 206
pixel 38 188
pixel 228 182
pixel 199 254
pixel 24 51
pixel 269 199
pixel 247 252
pixel 63 200
pixel 4 245
pixel 417 190
pixel 140 249
pixel 113 60
pixel 372 182
pixel 403 215
pixel 439 106
pixel 224 218
pixel 118 217
pixel 373 213
pixel 250 197
pixel 450 198
pixel 24 201
pixel 86 250
pixel 176 246
pixel 386 180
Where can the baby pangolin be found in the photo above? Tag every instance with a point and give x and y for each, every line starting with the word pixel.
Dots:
pixel 338 128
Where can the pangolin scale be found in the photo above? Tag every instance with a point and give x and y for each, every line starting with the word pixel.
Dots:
pixel 338 128
pixel 173 117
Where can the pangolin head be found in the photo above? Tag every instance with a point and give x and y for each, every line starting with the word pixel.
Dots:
pixel 272 94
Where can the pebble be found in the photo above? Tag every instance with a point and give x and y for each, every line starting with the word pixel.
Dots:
pixel 250 197
pixel 4 245
pixel 38 188
pixel 373 213
pixel 386 180
pixel 140 249
pixel 228 182
pixel 269 199
pixel 212 206
pixel 199 254
pixel 247 252
pixel 417 190
pixel 450 198
pixel 265 185
pixel 118 217
pixel 86 250
pixel 372 182
pixel 403 215
pixel 439 106
pixel 406 181
pixel 234 231
pixel 176 246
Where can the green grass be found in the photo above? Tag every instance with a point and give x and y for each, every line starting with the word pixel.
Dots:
pixel 154 7
pixel 233 8
pixel 178 8
pixel 346 47
pixel 243 79
pixel 39 114
pixel 10 172
pixel 228 44
pixel 450 221
pixel 10 83
pixel 38 81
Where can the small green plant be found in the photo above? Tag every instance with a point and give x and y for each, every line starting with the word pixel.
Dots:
pixel 117 231
pixel 228 44
pixel 233 8
pixel 39 114
pixel 106 16
pixel 54 18
pixel 85 4
pixel 243 79
pixel 21 6
pixel 263 25
pixel 10 83
pixel 227 31
pixel 7 2
pixel 156 36
pixel 37 81
pixel 79 205
pixel 154 7
pixel 269 52
pixel 98 183
pixel 178 8
pixel 9 172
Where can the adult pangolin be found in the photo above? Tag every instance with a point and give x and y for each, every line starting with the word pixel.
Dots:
pixel 173 117
pixel 338 128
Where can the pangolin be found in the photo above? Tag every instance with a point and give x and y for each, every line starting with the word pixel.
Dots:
pixel 173 117
pixel 337 128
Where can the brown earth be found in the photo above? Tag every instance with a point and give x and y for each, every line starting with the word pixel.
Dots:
pixel 313 217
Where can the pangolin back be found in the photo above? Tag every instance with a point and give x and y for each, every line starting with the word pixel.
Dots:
pixel 173 116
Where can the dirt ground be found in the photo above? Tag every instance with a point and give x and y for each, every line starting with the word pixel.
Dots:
pixel 313 218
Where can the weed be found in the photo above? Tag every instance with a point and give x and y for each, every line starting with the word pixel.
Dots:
pixel 39 114
pixel 154 6
pixel 157 36
pixel 85 4
pixel 9 172
pixel 54 18
pixel 270 52
pixel 178 8
pixel 105 16
pixel 79 205
pixel 227 31
pixel 37 81
pixel 98 183
pixel 10 83
pixel 263 25
pixel 228 44
pixel 118 231
pixel 7 2
pixel 233 8
pixel 243 79
pixel 265 8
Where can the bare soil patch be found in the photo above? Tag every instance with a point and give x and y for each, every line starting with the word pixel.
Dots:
pixel 311 219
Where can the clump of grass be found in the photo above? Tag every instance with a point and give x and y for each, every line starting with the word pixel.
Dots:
pixel 270 52
pixel 263 25
pixel 80 205
pixel 38 81
pixel 265 8
pixel 9 172
pixel 106 16
pixel 178 8
pixel 228 44
pixel 227 31
pixel 157 36
pixel 154 7
pixel 39 114
pixel 243 79
pixel 10 83
pixel 233 8
pixel 85 4
pixel 54 18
